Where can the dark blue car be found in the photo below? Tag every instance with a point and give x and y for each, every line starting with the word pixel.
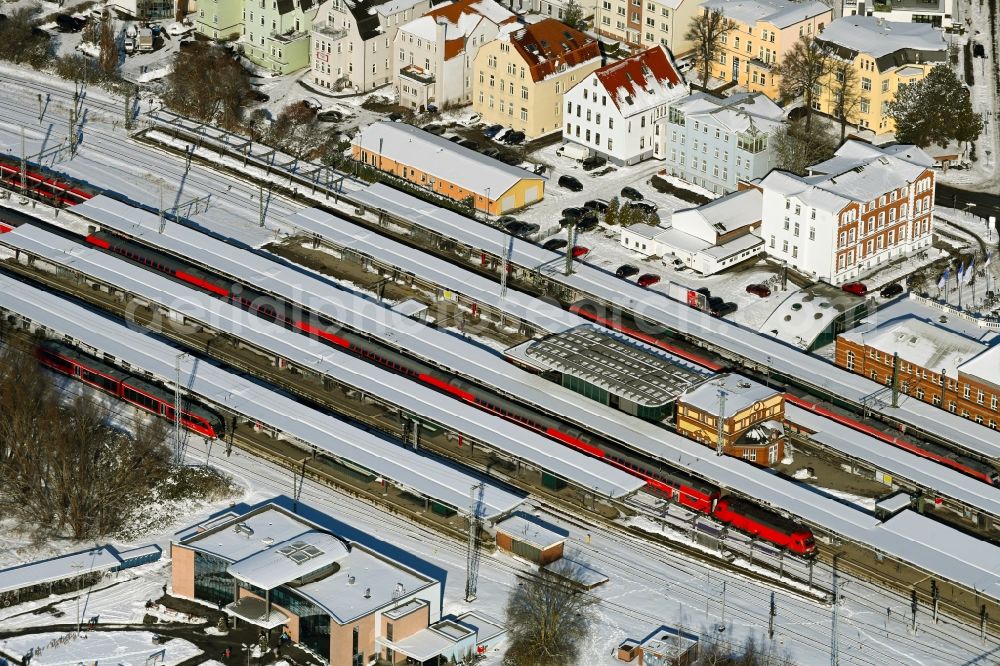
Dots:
pixel 492 131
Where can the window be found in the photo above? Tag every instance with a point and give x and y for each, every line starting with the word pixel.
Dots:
pixel 812 233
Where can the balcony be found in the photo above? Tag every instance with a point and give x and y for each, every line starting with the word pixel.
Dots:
pixel 417 75
pixel 289 36
pixel 330 31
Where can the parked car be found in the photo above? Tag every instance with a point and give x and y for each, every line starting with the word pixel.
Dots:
pixel 259 96
pixel 599 205
pixel 647 279
pixel 594 162
pixel 570 183
pixel 725 309
pixel 759 290
pixel 515 227
pixel 891 291
pixel 512 138
pixel 587 222
pixel 703 290
pixel 632 193
pixel 177 29
pixel 434 128
pixel 579 250
pixel 644 206
pixel 330 116
pixel 470 144
pixel 395 116
pixel 475 118
pixel 504 220
pixel 626 271
pixel 456 138
pixel 856 288
pixel 715 302
pixel 492 131
pixel 573 212
pixel 432 108
pixel 492 152
pixel 531 228
pixel 186 43
pixel 540 169
pixel 555 244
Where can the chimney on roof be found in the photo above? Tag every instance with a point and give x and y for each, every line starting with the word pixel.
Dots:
pixel 350 580
pixel 368 593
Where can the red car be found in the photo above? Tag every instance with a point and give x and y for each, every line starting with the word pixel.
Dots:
pixel 579 250
pixel 759 290
pixel 856 288
pixel 648 280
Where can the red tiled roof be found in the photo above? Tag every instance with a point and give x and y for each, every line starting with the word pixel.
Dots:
pixel 549 44
pixel 453 12
pixel 652 70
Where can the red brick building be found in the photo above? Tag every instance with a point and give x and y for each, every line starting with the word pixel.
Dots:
pixel 944 365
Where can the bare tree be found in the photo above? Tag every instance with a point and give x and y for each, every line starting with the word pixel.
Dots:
pixel 209 84
pixel 797 147
pixel 803 70
pixel 65 469
pixel 706 31
pixel 548 619
pixel 295 130
pixel 108 41
pixel 846 93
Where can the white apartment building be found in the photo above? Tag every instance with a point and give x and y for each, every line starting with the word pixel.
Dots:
pixel 617 110
pixel 865 206
pixel 939 13
pixel 434 53
pixel 551 8
pixel 352 42
pixel 716 142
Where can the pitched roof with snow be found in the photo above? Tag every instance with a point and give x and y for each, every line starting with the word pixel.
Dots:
pixel 738 113
pixel 441 158
pixel 641 82
pixel 459 19
pixel 549 46
pixel 891 43
pixel 723 215
pixel 985 366
pixel 779 13
pixel 857 172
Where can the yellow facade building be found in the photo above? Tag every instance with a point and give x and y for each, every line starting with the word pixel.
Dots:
pixel 765 31
pixel 519 78
pixel 885 56
pixel 752 418
pixel 443 167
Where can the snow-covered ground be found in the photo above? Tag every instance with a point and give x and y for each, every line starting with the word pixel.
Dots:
pixel 125 648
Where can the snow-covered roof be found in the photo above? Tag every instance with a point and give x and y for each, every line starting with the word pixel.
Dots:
pixel 857 172
pixel 421 474
pixel 441 158
pixel 738 113
pixel 894 503
pixel 721 216
pixel 878 37
pixel 803 315
pixel 525 528
pixel 854 153
pixel 920 343
pixel 551 47
pixel 645 230
pixel 58 568
pixel 779 13
pixel 741 394
pixel 391 7
pixel 459 20
pixel 364 582
pixel 641 82
pixel 958 556
pixel 985 366
pixel 390 328
pixel 296 557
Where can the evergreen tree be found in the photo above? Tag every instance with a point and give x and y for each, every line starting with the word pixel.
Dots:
pixel 573 14
pixel 936 109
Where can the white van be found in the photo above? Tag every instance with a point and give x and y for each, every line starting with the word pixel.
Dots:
pixel 574 151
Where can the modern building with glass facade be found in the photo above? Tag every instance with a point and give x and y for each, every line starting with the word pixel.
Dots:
pixel 273 569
